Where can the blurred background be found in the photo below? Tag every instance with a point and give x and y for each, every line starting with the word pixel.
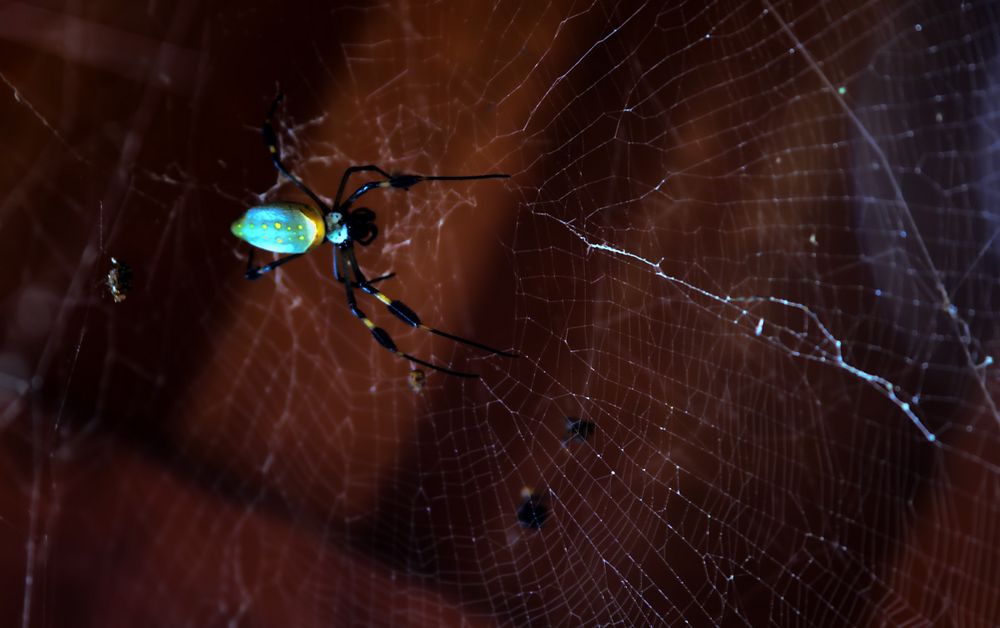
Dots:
pixel 754 243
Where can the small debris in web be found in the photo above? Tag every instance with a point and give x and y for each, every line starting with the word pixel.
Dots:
pixel 533 511
pixel 578 429
pixel 119 280
pixel 417 379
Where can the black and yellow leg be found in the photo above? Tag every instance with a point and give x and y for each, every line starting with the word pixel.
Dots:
pixel 254 272
pixel 400 182
pixel 404 313
pixel 377 279
pixel 384 339
pixel 347 175
pixel 341 277
pixel 274 148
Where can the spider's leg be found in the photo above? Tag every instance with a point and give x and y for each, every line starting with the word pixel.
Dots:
pixel 254 272
pixel 377 279
pixel 383 338
pixel 352 170
pixel 354 284
pixel 273 147
pixel 405 182
pixel 403 312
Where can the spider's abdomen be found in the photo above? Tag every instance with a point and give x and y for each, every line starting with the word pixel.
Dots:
pixel 281 227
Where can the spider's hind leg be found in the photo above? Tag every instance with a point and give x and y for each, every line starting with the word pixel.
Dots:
pixel 254 272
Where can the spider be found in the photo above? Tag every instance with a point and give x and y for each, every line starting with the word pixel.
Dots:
pixel 296 228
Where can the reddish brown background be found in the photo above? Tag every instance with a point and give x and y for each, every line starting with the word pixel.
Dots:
pixel 214 451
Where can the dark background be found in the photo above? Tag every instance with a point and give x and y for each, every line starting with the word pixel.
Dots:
pixel 743 239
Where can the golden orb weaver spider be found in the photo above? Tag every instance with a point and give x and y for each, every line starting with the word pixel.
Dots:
pixel 296 228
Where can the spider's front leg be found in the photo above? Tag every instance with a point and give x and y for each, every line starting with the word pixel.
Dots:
pixel 399 181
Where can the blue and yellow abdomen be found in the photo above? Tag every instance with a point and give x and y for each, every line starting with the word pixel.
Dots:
pixel 281 227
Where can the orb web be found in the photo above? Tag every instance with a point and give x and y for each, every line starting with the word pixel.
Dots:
pixel 752 246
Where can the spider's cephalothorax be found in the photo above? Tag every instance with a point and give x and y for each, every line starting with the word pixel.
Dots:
pixel 336 229
pixel 295 228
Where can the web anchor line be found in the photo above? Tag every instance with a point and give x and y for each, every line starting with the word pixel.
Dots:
pixel 884 386
pixel 906 215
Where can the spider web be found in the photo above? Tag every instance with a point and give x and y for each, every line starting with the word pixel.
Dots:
pixel 753 243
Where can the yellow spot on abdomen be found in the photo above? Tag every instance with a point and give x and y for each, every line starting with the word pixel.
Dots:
pixel 277 225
